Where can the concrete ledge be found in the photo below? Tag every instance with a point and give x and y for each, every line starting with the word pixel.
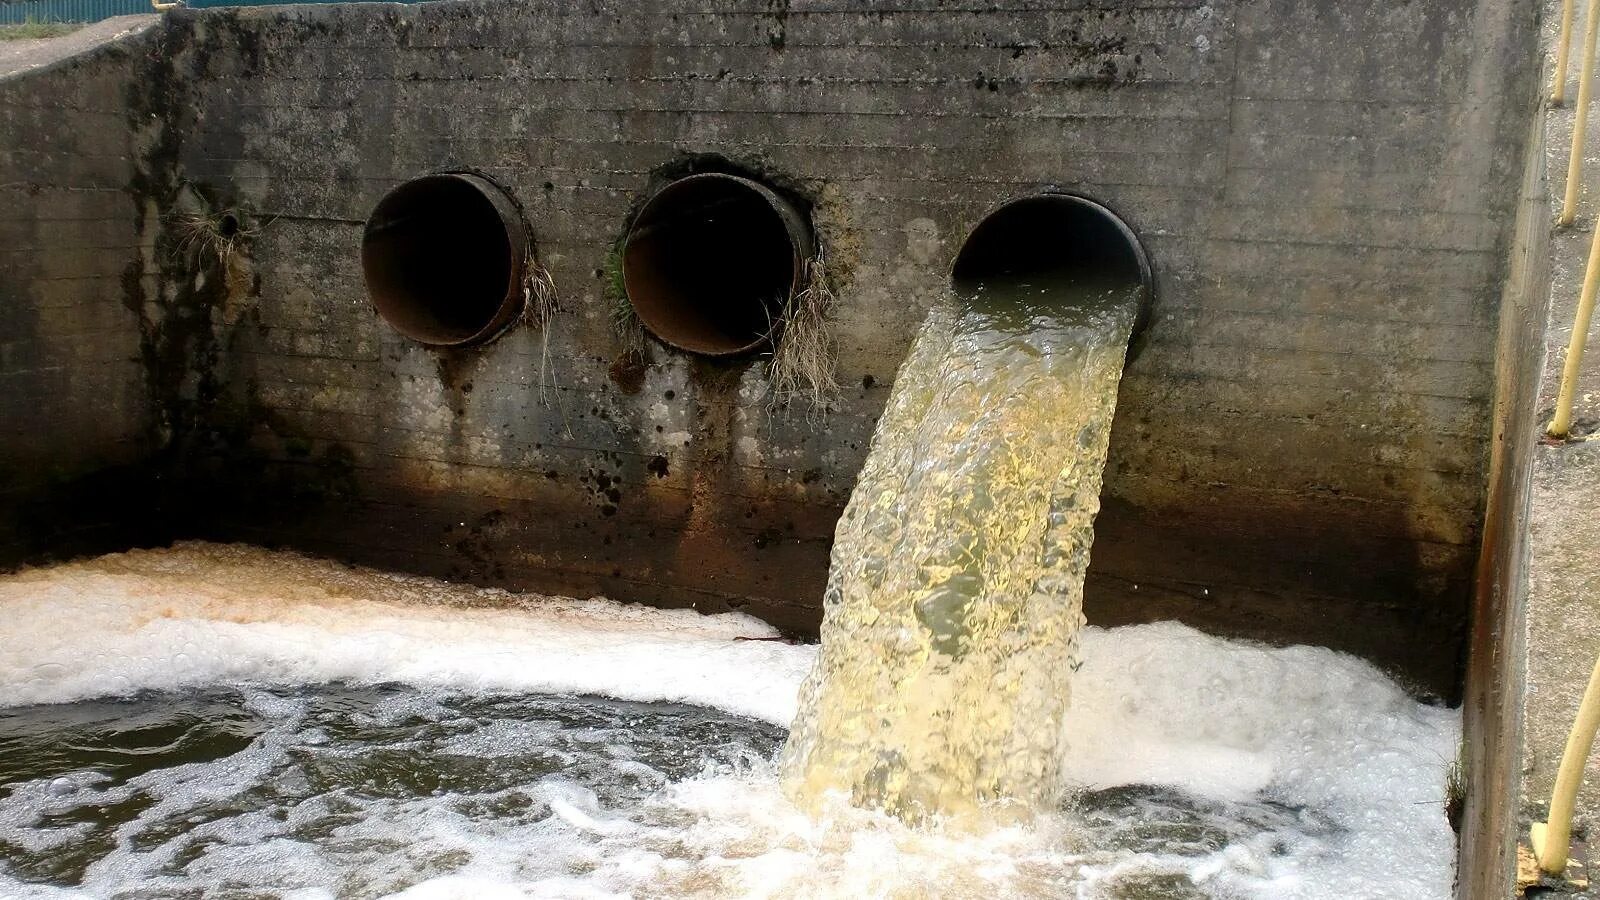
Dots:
pixel 23 57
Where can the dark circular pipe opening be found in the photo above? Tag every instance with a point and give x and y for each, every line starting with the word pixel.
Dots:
pixel 228 225
pixel 443 257
pixel 710 261
pixel 1055 236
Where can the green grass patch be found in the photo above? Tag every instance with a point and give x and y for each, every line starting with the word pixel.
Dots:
pixel 625 322
pixel 30 31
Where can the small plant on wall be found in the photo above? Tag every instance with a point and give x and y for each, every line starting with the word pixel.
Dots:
pixel 805 354
pixel 212 238
pixel 540 303
pixel 625 322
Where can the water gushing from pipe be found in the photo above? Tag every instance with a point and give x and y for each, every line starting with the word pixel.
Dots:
pixel 954 598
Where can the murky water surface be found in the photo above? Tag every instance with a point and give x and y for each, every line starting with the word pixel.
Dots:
pixel 369 791
pixel 234 722
pixel 361 791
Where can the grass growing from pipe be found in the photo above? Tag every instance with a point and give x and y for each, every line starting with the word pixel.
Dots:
pixel 805 355
pixel 215 237
pixel 209 235
pixel 540 303
pixel 628 329
pixel 625 322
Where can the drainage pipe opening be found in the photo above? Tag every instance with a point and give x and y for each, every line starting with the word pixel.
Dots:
pixel 711 260
pixel 443 257
pixel 1060 238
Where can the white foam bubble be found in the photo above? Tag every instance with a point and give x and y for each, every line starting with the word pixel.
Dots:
pixel 1304 728
pixel 201 614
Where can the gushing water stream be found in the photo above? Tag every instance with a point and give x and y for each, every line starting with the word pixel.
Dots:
pixel 955 593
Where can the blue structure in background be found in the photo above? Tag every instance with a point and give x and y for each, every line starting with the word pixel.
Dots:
pixel 16 12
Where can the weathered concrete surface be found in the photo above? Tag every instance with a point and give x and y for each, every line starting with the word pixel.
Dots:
pixel 1327 191
pixel 77 418
pixel 1563 619
pixel 1492 708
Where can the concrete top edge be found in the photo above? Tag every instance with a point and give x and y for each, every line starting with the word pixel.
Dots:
pixel 23 58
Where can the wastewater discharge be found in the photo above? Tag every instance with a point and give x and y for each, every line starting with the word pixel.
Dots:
pixel 230 721
pixel 955 593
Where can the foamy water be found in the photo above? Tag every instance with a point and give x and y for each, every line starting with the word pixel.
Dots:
pixel 1293 772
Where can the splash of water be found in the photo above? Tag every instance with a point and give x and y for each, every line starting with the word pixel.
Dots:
pixel 954 599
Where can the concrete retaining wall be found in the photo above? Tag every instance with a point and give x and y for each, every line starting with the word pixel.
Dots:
pixel 76 413
pixel 1497 657
pixel 1327 192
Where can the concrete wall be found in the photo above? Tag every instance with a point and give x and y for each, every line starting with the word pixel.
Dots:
pixel 76 414
pixel 1492 706
pixel 1326 191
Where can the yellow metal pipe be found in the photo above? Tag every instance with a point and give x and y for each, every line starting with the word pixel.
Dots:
pixel 1558 89
pixel 166 6
pixel 1562 423
pixel 1569 206
pixel 1553 838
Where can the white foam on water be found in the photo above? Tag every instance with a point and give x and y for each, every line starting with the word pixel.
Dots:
pixel 202 614
pixel 1304 726
pixel 1341 774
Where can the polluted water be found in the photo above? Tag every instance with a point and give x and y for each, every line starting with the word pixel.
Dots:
pixel 954 597
pixel 231 721
pixel 227 721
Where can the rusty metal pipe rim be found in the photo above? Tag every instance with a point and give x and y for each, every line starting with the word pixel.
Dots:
pixel 1060 206
pixel 710 261
pixel 444 256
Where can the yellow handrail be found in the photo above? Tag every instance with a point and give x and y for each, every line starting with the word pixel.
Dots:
pixel 1561 425
pixel 1558 89
pixel 1552 838
pixel 1569 205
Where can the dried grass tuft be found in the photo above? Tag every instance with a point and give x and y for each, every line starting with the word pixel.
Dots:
pixel 539 301
pixel 806 354
pixel 216 238
pixel 1455 789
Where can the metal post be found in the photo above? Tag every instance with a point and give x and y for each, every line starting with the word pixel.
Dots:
pixel 1558 89
pixel 1553 838
pixel 1569 207
pixel 1561 424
